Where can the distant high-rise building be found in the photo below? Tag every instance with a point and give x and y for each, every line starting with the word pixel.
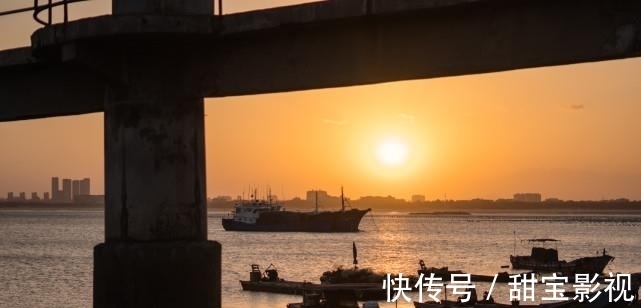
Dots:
pixel 22 197
pixel 34 196
pixel 66 190
pixel 527 197
pixel 10 196
pixel 70 189
pixel 55 189
pixel 84 187
pixel 312 195
pixel 45 196
pixel 418 198
pixel 75 189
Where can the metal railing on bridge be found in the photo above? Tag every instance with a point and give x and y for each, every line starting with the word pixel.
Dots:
pixel 45 6
pixel 49 5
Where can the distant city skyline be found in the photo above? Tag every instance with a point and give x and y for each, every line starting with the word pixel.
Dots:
pixel 72 190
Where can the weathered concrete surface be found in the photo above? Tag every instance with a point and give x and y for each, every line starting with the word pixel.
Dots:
pixel 155 169
pixel 155 187
pixel 154 157
pixel 162 7
pixel 156 252
pixel 159 275
pixel 30 88
pixel 478 37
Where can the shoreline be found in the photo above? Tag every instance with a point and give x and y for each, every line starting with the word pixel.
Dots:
pixel 561 211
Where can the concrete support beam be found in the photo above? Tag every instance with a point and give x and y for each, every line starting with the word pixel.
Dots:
pixel 475 37
pixel 155 169
pixel 32 89
pixel 156 252
pixel 328 44
pixel 162 7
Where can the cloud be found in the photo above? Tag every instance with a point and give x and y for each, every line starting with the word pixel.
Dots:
pixel 335 122
pixel 577 106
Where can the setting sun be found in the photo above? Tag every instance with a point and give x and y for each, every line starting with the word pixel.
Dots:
pixel 392 152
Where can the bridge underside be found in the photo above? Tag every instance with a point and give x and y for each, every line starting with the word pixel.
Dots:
pixel 318 45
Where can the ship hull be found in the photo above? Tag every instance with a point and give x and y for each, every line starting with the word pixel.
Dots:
pixel 285 221
pixel 585 265
pixel 592 264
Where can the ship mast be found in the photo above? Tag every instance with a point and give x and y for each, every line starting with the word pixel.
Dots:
pixel 342 200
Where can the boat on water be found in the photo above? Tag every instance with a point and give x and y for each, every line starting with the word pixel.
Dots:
pixel 269 281
pixel 544 259
pixel 264 215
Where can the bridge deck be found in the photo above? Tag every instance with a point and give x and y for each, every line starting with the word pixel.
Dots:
pixel 315 45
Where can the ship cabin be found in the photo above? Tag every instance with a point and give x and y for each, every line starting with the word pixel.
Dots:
pixel 248 212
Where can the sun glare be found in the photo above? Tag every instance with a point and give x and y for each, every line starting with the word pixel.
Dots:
pixel 391 152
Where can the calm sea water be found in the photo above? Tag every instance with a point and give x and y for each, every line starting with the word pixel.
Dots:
pixel 46 256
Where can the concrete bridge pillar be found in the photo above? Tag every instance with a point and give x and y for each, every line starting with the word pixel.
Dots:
pixel 156 252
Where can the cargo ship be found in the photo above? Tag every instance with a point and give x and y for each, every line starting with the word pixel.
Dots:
pixel 263 215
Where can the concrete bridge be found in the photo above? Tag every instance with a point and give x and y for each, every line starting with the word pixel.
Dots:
pixel 150 64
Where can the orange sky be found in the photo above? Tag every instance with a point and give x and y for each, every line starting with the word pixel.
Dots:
pixel 569 132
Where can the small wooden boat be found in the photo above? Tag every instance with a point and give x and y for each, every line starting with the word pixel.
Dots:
pixel 542 259
pixel 269 281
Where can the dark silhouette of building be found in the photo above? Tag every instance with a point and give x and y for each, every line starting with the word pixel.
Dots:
pixel 527 197
pixel 45 196
pixel 66 190
pixel 418 198
pixel 321 197
pixel 71 189
pixel 10 196
pixel 55 189
pixel 22 197
pixel 75 189
pixel 84 187
pixel 34 196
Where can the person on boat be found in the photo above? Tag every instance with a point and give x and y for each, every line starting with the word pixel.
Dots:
pixel 487 300
pixel 472 299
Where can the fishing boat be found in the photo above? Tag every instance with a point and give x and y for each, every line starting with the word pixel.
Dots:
pixel 269 281
pixel 544 259
pixel 264 215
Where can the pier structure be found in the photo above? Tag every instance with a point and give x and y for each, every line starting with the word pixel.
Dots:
pixel 149 65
